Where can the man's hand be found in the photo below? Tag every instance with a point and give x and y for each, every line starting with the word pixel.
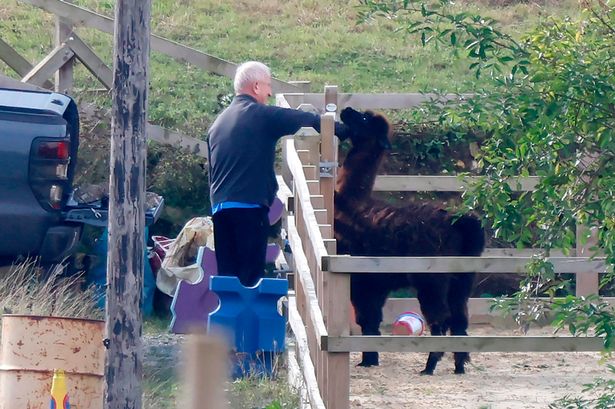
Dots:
pixel 343 131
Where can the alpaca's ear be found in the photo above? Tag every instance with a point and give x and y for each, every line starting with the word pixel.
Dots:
pixel 382 127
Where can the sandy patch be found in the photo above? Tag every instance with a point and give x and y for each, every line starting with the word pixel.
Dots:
pixel 492 380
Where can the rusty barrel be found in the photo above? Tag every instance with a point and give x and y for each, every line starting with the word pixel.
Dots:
pixel 33 346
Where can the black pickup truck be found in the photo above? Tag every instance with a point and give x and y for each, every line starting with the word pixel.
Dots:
pixel 39 215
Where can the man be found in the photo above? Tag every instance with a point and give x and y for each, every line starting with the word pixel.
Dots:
pixel 241 147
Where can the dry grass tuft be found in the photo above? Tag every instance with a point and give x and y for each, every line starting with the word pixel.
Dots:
pixel 27 289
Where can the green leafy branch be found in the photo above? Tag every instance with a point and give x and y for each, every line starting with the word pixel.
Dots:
pixel 602 392
pixel 488 47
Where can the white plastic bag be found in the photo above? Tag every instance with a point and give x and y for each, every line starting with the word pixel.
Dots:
pixel 180 260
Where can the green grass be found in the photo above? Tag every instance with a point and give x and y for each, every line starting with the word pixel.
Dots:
pixel 259 392
pixel 316 40
pixel 155 325
pixel 162 385
pixel 161 390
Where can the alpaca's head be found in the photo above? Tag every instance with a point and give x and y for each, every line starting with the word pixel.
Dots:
pixel 369 129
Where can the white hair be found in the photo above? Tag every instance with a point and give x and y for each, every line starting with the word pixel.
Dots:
pixel 248 73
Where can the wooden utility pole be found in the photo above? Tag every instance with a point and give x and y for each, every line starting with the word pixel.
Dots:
pixel 124 361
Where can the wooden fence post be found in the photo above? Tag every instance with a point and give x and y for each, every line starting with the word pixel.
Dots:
pixel 334 288
pixel 337 294
pixel 586 238
pixel 586 283
pixel 204 373
pixel 329 151
pixel 64 76
pixel 123 359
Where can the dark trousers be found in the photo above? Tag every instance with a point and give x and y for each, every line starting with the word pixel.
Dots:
pixel 240 237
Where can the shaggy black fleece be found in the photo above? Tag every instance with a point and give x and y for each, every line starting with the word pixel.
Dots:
pixel 368 227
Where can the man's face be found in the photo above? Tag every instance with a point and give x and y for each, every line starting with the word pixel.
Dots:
pixel 262 90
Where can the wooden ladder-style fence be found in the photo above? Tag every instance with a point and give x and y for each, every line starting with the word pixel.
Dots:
pixel 69 46
pixel 319 312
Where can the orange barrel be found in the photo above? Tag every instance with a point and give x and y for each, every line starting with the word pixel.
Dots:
pixel 33 346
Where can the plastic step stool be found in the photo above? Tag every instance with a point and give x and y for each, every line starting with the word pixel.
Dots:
pixel 192 303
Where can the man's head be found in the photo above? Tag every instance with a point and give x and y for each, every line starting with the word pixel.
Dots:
pixel 253 78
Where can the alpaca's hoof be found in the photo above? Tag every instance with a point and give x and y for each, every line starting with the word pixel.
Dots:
pixel 426 372
pixel 367 364
pixel 369 359
pixel 460 371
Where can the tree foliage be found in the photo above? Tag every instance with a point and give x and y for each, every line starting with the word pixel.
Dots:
pixel 550 110
pixel 547 101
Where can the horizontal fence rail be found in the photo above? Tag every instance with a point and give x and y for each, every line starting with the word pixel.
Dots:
pixel 370 101
pixel 82 17
pixel 398 343
pixel 383 265
pixel 303 196
pixel 303 272
pixel 303 355
pixel 404 183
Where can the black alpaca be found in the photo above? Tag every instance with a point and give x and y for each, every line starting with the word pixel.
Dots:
pixel 368 227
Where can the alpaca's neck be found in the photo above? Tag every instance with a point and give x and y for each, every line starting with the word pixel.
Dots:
pixel 358 174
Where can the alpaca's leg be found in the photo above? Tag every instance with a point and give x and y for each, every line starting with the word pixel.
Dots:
pixel 369 318
pixel 435 309
pixel 368 302
pixel 459 328
pixel 434 357
pixel 461 288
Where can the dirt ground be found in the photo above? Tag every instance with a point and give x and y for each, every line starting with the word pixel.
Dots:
pixel 492 380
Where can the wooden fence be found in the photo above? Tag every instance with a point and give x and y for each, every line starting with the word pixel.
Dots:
pixel 69 46
pixel 320 310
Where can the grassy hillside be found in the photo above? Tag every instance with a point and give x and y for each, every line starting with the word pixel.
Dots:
pixel 314 40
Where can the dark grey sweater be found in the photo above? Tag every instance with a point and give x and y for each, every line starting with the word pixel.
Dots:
pixel 241 147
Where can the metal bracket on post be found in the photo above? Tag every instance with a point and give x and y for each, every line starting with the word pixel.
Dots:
pixel 326 169
pixel 331 107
